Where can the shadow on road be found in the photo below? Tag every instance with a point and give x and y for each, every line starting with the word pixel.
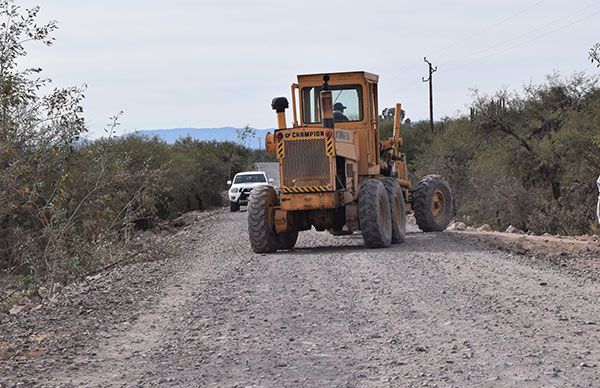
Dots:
pixel 416 242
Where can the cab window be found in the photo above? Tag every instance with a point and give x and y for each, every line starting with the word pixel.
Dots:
pixel 347 103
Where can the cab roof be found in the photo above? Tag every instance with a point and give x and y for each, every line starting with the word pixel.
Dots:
pixel 338 77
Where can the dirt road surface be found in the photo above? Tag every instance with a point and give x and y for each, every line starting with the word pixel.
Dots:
pixel 436 311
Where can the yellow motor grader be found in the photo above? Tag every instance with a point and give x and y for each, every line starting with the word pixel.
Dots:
pixel 336 174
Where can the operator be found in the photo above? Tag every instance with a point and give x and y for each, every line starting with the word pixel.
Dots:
pixel 338 112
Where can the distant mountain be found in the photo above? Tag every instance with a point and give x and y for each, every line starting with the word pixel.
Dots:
pixel 208 134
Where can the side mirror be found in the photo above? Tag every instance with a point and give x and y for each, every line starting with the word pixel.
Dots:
pixel 271 180
pixel 228 183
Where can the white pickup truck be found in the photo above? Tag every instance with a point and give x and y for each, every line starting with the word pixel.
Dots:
pixel 242 185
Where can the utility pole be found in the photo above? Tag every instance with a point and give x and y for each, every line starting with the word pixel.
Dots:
pixel 430 80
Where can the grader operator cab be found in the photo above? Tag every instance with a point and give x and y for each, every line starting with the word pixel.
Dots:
pixel 336 173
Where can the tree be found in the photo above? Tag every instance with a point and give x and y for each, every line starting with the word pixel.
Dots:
pixel 388 114
pixel 38 135
pixel 245 134
pixel 595 54
pixel 386 121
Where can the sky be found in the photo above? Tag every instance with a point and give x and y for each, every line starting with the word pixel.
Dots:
pixel 214 63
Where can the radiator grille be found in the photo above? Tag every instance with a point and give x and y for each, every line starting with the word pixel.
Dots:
pixel 305 163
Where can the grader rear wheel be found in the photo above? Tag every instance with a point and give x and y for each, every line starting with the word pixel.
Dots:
pixel 432 203
pixel 263 238
pixel 397 209
pixel 374 214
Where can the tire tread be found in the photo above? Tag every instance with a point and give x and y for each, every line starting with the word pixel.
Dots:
pixel 262 238
pixel 422 203
pixel 374 233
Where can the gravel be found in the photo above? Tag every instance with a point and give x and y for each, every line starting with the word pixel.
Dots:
pixel 435 311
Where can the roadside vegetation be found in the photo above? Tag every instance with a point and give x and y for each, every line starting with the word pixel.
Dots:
pixel 528 159
pixel 70 206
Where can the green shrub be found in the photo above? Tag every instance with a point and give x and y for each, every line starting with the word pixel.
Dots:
pixel 70 206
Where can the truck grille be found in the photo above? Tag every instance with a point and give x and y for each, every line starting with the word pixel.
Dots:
pixel 305 164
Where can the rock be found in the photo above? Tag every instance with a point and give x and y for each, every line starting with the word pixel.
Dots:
pixel 457 226
pixel 586 365
pixel 512 229
pixel 485 228
pixel 185 219
pixel 43 292
pixel 55 290
pixel 178 222
pixel 94 277
pixel 16 309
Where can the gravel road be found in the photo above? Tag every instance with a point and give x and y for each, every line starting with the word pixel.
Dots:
pixel 436 311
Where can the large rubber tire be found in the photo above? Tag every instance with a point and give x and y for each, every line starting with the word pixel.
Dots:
pixel 432 204
pixel 287 240
pixel 234 206
pixel 261 232
pixel 397 209
pixel 374 214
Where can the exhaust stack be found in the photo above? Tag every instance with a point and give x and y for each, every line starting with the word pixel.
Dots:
pixel 279 105
pixel 326 104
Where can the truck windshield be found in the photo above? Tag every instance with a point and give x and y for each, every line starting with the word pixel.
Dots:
pixel 250 178
pixel 347 103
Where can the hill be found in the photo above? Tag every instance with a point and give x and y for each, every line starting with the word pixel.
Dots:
pixel 207 134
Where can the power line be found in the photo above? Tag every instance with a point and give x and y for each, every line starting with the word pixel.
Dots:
pixel 478 33
pixel 518 13
pixel 525 34
pixel 525 42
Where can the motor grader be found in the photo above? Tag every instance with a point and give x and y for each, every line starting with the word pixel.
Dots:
pixel 336 174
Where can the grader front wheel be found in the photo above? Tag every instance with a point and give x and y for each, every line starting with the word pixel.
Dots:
pixel 374 214
pixel 432 203
pixel 263 238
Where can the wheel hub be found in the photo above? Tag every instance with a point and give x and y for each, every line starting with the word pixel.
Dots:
pixel 438 204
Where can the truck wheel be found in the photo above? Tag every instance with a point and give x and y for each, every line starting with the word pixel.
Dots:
pixel 261 232
pixel 374 214
pixel 432 203
pixel 397 209
pixel 287 240
pixel 233 206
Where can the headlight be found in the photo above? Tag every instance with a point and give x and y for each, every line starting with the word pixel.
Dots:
pixel 233 190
